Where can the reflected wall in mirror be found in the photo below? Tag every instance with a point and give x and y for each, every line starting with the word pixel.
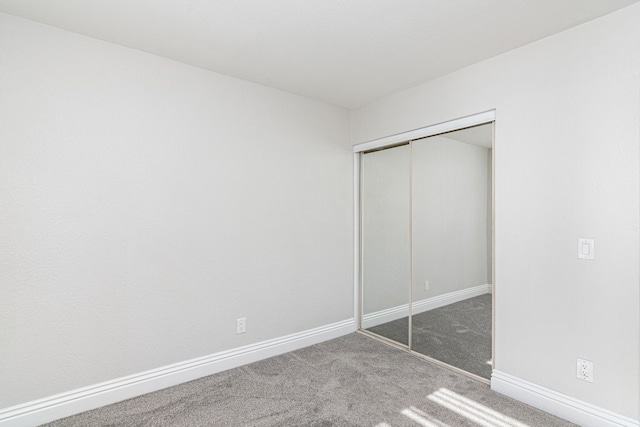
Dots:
pixel 386 258
pixel 451 248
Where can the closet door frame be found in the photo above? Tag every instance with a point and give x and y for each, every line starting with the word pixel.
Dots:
pixel 397 139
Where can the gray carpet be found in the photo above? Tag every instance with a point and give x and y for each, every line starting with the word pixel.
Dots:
pixel 350 381
pixel 458 334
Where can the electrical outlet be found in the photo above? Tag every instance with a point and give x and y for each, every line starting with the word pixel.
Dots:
pixel 241 326
pixel 584 370
pixel 426 285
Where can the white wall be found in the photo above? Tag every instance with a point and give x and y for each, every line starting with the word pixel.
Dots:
pixel 566 153
pixel 147 204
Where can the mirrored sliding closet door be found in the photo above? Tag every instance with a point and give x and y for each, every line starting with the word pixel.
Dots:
pixel 451 250
pixel 386 243
pixel 427 247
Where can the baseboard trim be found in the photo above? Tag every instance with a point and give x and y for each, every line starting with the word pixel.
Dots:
pixel 556 403
pixel 383 316
pixel 83 399
pixel 398 312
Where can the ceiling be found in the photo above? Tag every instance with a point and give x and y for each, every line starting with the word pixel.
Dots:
pixel 344 52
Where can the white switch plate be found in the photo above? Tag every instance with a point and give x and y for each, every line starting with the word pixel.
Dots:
pixel 426 285
pixel 586 249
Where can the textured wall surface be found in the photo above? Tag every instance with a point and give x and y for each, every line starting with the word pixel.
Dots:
pixel 147 204
pixel 567 166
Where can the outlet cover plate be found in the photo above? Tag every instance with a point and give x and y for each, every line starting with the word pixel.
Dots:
pixel 584 370
pixel 241 325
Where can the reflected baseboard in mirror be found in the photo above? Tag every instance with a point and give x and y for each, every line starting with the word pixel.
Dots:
pixel 457 334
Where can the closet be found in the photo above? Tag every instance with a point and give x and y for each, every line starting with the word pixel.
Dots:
pixel 426 246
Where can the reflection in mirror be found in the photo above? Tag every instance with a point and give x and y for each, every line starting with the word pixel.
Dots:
pixel 451 248
pixel 386 242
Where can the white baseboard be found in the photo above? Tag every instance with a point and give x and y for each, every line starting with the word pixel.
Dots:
pixel 398 312
pixel 94 396
pixel 556 403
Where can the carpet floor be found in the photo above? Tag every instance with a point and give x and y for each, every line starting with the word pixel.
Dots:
pixel 458 334
pixel 349 381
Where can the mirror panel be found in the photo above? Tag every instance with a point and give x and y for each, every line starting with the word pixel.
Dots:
pixel 385 207
pixel 451 248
